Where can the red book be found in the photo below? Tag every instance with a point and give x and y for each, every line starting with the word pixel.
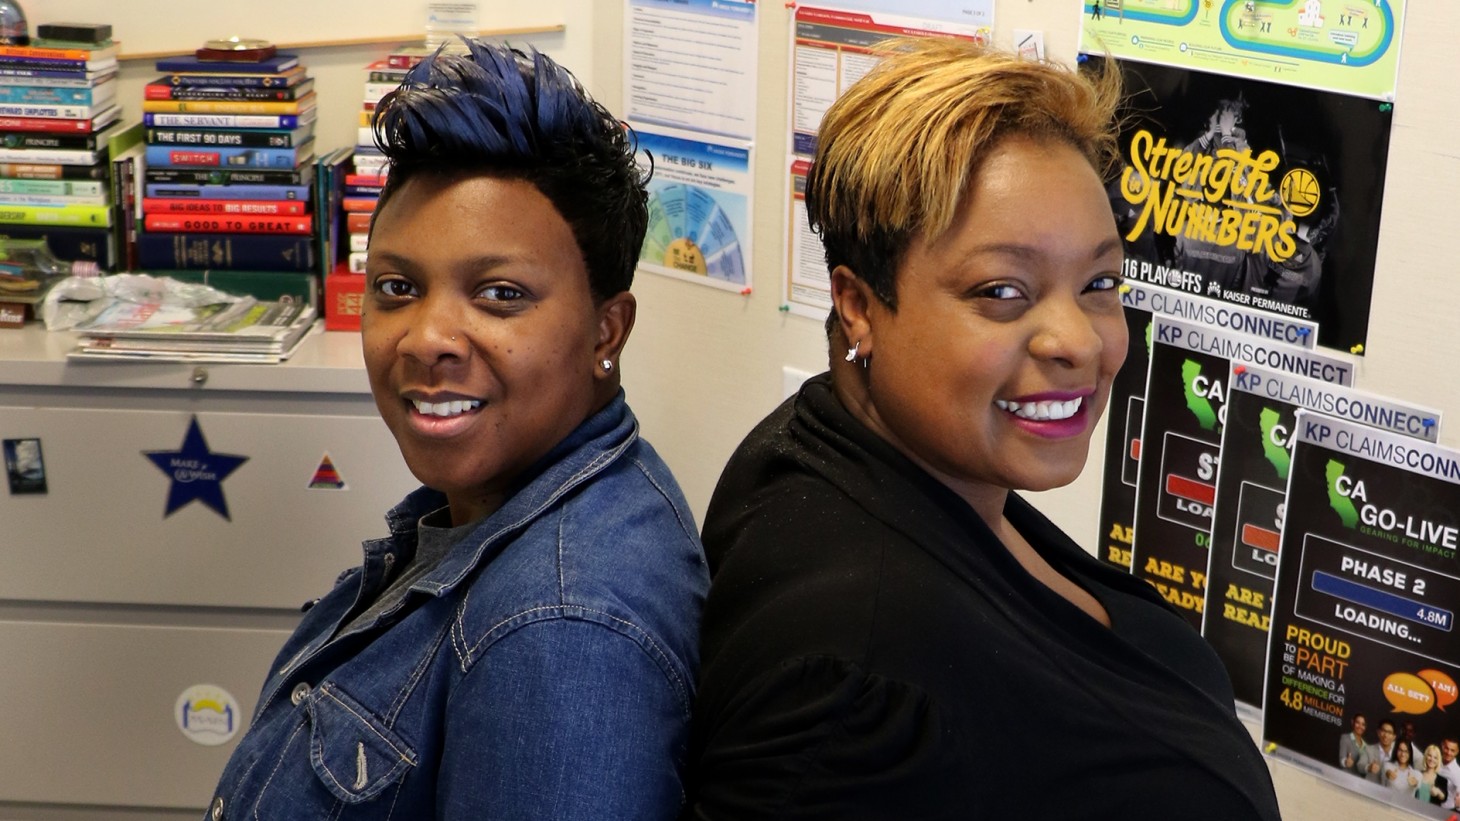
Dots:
pixel 48 124
pixel 357 223
pixel 364 179
pixel 183 205
pixel 358 205
pixel 230 224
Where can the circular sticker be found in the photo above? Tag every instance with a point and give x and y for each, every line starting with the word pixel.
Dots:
pixel 206 714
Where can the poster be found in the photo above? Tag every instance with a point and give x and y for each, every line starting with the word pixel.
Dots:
pixel 807 285
pixel 1186 394
pixel 699 208
pixel 1252 482
pixel 691 64
pixel 1344 46
pixel 1254 193
pixel 1363 646
pixel 1125 412
pixel 832 48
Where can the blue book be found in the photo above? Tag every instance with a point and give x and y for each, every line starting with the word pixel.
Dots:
pixel 272 65
pixel 55 95
pixel 233 252
pixel 227 156
pixel 228 192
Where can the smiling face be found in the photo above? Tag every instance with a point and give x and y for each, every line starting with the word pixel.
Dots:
pixel 998 361
pixel 481 336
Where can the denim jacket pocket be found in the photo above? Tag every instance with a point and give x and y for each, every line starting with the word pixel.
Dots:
pixel 352 751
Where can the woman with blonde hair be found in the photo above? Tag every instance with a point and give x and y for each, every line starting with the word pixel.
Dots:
pixel 892 632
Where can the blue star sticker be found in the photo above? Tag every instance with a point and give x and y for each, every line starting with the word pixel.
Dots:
pixel 196 473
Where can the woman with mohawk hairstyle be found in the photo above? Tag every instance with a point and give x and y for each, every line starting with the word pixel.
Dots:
pixel 891 631
pixel 523 644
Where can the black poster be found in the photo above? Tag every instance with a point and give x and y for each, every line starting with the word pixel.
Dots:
pixel 1125 412
pixel 1176 479
pixel 1254 193
pixel 1363 653
pixel 1252 486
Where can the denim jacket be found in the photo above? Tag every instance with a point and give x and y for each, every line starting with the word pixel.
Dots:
pixel 544 670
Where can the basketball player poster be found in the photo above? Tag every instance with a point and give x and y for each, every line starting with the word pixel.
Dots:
pixel 1253 193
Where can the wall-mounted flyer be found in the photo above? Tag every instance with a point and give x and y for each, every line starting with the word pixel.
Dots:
pixel 699 208
pixel 831 48
pixel 691 64
pixel 1363 622
pixel 1176 479
pixel 1348 47
pixel 1125 413
pixel 1251 494
pixel 1254 193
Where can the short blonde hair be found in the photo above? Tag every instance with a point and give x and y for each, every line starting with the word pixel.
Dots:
pixel 897 150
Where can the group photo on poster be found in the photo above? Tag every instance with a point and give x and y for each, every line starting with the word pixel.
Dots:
pixel 1253 193
pixel 1363 657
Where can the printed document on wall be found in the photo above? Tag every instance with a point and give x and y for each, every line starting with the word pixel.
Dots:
pixel 691 64
pixel 831 48
pixel 699 208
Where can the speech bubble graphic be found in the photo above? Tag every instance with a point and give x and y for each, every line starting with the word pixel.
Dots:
pixel 1408 693
pixel 1445 688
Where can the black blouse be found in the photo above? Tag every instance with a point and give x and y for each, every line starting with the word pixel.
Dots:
pixel 871 651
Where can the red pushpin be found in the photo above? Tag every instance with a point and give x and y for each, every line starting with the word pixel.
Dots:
pixel 745 291
pixel 1239 369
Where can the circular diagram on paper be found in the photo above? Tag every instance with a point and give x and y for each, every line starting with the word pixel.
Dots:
pixel 691 233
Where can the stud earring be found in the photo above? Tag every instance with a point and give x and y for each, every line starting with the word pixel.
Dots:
pixel 852 351
pixel 607 365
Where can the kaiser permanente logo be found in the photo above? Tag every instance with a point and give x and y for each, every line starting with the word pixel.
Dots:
pixel 1197 389
pixel 1337 499
pixel 1273 445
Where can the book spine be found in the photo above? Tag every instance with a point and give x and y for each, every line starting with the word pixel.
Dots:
pixel 359 205
pixel 357 223
pixel 261 252
pixel 247 207
pixel 161 91
pixel 225 106
pixel 128 203
pixel 230 224
pixel 61 141
pixel 51 171
pixel 233 80
pixel 64 215
pixel 43 155
pixel 89 244
pixel 259 138
pixel 164 156
pixel 63 112
pixel 52 187
pixel 365 179
pixel 357 262
pixel 359 242
pixel 392 77
pixel 229 192
pixel 67 79
pixel 50 64
pixel 53 200
pixel 302 175
pixel 45 53
pixel 282 121
pixel 45 124
pixel 17 70
pixel 44 95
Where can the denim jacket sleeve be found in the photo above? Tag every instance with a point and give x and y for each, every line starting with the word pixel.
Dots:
pixel 566 718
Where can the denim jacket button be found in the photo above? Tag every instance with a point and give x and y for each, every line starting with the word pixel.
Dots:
pixel 216 812
pixel 301 692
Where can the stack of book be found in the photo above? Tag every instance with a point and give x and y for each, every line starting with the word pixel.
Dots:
pixel 58 111
pixel 362 186
pixel 230 163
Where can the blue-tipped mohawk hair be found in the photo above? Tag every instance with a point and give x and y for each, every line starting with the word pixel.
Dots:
pixel 505 113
